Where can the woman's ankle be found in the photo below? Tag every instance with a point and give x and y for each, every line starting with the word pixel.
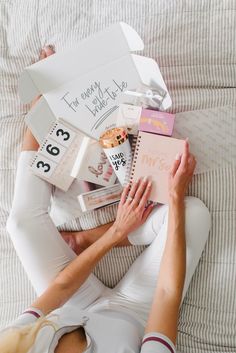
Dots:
pixel 76 241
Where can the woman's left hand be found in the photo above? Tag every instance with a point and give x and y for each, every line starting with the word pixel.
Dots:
pixel 132 211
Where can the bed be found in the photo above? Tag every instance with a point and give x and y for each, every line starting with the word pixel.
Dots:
pixel 194 45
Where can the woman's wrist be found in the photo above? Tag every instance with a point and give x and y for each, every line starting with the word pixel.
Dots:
pixel 117 234
pixel 176 199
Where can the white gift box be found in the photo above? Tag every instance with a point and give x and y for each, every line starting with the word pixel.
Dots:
pixel 83 85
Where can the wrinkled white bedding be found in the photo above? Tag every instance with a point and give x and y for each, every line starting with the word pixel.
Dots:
pixel 194 44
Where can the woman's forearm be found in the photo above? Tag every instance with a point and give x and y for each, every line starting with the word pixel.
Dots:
pixel 81 240
pixel 94 234
pixel 173 265
pixel 75 274
pixel 131 214
pixel 167 298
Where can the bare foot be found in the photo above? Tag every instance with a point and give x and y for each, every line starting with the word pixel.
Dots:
pixel 45 52
pixel 77 241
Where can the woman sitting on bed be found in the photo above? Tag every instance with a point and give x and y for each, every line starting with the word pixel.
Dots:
pixel 74 311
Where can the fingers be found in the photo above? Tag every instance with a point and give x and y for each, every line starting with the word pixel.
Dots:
pixel 49 49
pixel 133 194
pixel 42 55
pixel 192 164
pixel 185 155
pixel 187 162
pixel 133 190
pixel 187 168
pixel 175 164
pixel 147 211
pixel 141 190
pixel 46 51
pixel 143 201
pixel 184 164
pixel 124 195
pixel 180 160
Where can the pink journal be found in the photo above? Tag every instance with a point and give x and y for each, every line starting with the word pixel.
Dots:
pixel 153 157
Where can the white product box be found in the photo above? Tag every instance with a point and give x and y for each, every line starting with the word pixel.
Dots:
pixel 83 85
pixel 98 198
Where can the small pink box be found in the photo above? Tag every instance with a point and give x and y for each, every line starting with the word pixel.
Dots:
pixel 157 122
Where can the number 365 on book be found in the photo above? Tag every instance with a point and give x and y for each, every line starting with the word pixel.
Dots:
pixel 56 155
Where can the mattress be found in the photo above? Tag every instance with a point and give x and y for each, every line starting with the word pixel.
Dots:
pixel 194 45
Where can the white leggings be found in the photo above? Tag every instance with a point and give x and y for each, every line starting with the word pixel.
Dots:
pixel 44 253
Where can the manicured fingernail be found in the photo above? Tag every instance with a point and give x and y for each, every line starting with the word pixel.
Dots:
pixel 145 179
pixel 187 139
pixel 177 157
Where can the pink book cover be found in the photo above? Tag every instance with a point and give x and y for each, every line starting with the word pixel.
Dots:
pixel 153 157
pixel 157 122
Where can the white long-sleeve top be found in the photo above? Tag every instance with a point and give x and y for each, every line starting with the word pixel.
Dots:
pixel 106 332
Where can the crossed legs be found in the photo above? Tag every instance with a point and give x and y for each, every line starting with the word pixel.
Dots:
pixel 44 253
pixel 134 293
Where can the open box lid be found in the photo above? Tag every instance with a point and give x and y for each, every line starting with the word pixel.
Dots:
pixel 83 85
pixel 47 74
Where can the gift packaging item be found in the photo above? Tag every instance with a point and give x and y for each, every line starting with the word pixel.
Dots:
pixel 116 145
pixel 57 153
pixel 157 122
pixel 92 164
pixel 145 96
pixel 135 118
pixel 84 83
pixel 128 116
pixel 99 198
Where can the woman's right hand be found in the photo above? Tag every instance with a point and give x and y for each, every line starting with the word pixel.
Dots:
pixel 181 174
pixel 132 211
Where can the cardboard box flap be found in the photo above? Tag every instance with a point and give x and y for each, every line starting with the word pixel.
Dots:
pixel 27 88
pixel 133 39
pixel 39 119
pixel 150 75
pixel 97 50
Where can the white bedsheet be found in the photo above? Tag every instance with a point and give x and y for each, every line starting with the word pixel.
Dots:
pixel 194 44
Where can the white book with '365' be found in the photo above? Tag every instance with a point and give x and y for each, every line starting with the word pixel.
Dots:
pixel 92 164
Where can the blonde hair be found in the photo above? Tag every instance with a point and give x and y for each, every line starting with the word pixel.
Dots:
pixel 20 340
